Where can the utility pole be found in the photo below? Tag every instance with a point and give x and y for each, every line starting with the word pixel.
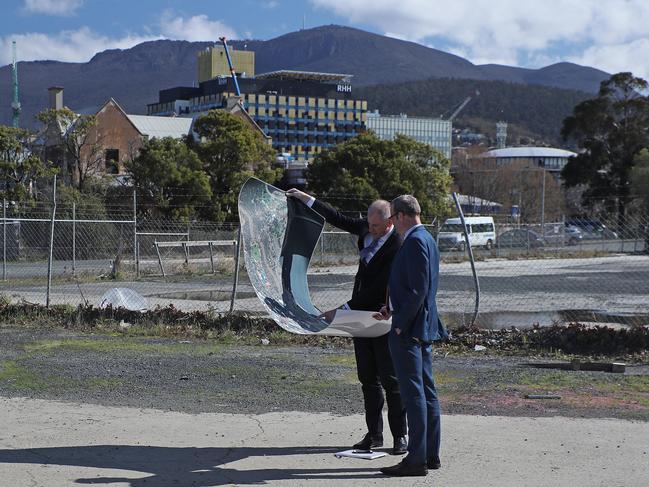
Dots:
pixel 15 104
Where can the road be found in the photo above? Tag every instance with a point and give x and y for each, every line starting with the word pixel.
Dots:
pixel 512 291
pixel 61 444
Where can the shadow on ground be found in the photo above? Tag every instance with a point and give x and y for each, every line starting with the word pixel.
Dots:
pixel 199 467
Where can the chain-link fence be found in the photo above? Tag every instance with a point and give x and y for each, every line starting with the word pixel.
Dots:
pixel 590 270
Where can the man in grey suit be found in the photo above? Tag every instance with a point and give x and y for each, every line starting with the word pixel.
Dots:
pixel 415 325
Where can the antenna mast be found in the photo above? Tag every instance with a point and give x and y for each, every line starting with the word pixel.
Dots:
pixel 15 104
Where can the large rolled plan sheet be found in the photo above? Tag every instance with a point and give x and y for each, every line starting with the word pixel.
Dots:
pixel 279 236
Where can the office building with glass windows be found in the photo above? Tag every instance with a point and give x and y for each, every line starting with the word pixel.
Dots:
pixel 303 112
pixel 432 131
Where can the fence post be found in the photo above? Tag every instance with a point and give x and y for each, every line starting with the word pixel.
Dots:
pixel 50 258
pixel 136 253
pixel 157 249
pixel 186 247
pixel 471 259
pixel 236 270
pixel 4 240
pixel 322 236
pixel 74 238
pixel 211 256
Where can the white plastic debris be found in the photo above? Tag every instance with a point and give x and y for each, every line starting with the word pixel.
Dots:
pixel 123 297
pixel 265 341
pixel 479 348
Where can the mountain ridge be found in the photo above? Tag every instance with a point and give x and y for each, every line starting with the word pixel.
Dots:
pixel 134 76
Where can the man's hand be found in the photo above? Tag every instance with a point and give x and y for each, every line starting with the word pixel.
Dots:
pixel 329 315
pixel 300 195
pixel 383 314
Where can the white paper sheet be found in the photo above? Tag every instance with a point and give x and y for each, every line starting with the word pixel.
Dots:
pixel 365 455
pixel 349 322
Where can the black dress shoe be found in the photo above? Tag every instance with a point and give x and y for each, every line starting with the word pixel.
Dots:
pixel 400 446
pixel 369 442
pixel 405 470
pixel 434 464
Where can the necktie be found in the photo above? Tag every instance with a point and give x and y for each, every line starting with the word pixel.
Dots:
pixel 368 252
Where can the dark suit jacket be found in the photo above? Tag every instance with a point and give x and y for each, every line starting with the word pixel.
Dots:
pixel 413 287
pixel 371 281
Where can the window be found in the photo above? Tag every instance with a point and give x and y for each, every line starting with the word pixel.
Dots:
pixel 112 161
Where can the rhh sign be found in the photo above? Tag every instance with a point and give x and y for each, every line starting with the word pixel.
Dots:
pixel 344 88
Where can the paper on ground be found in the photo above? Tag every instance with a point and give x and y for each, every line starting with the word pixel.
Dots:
pixel 365 455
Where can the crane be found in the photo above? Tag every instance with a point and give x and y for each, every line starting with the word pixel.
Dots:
pixel 232 72
pixel 462 105
pixel 15 104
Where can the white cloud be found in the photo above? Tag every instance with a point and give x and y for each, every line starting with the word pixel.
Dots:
pixel 82 44
pixel 53 7
pixel 196 28
pixel 614 58
pixel 510 30
pixel 70 45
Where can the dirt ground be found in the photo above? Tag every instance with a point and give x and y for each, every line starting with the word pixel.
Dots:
pixel 203 376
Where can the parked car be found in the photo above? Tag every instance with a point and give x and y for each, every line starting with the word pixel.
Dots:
pixel 520 237
pixel 592 229
pixel 570 235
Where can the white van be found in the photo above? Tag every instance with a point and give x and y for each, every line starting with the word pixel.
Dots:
pixel 481 230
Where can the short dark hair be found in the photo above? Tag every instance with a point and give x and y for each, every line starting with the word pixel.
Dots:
pixel 406 204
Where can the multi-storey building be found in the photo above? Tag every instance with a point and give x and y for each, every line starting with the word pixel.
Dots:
pixel 303 112
pixel 212 62
pixel 432 131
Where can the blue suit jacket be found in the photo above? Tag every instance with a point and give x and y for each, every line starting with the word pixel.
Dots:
pixel 413 285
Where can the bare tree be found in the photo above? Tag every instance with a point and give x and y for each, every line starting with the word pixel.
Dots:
pixel 516 184
pixel 82 151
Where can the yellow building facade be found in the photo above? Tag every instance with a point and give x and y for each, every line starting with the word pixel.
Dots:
pixel 213 62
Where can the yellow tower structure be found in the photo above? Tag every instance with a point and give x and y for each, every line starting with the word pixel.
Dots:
pixel 212 62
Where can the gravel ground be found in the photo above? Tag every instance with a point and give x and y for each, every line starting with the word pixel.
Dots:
pixel 206 376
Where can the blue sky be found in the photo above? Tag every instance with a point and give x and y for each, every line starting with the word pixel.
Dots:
pixel 608 34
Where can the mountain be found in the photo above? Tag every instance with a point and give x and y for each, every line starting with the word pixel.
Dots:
pixel 532 111
pixel 134 76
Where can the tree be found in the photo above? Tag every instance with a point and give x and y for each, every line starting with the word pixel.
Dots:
pixel 78 141
pixel 19 166
pixel 169 179
pixel 231 152
pixel 640 180
pixel 519 183
pixel 611 129
pixel 365 168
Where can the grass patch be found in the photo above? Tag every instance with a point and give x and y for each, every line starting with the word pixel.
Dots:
pixel 551 380
pixel 20 377
pixel 131 345
pixel 342 360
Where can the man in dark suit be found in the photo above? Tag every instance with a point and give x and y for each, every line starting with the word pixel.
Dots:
pixel 415 325
pixel 377 245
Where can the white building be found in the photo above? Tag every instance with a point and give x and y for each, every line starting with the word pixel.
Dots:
pixel 553 160
pixel 432 131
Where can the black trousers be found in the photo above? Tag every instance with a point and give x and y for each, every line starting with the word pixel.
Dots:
pixel 376 373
